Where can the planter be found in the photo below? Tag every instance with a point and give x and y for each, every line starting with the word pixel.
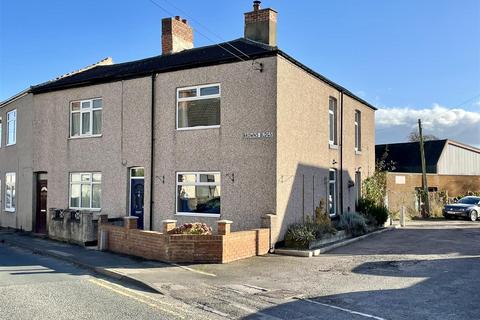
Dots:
pixel 340 235
pixel 327 239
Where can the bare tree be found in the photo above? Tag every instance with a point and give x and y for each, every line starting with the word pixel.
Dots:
pixel 414 136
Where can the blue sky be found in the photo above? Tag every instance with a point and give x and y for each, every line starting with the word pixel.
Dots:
pixel 410 58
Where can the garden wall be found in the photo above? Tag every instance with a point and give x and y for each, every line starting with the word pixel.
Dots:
pixel 223 247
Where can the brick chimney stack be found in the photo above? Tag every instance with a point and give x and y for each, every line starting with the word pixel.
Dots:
pixel 177 35
pixel 261 25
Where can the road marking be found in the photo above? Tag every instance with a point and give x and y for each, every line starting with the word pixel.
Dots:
pixel 65 254
pixel 194 270
pixel 366 315
pixel 103 283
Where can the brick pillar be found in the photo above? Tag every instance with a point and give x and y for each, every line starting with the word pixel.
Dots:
pixel 224 227
pixel 130 222
pixel 168 225
pixel 270 221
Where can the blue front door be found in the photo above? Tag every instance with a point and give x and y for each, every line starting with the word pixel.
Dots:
pixel 136 199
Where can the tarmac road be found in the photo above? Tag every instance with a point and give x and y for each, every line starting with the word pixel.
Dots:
pixel 38 287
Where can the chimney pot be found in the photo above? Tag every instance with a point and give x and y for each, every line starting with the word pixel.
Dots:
pixel 184 21
pixel 256 5
pixel 177 18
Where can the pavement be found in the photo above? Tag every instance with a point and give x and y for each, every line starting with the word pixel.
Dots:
pixel 428 270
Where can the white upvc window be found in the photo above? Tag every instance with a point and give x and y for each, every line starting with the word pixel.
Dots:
pixel 10 191
pixel 358 130
pixel 198 107
pixel 332 192
pixel 332 121
pixel 198 194
pixel 86 118
pixel 12 127
pixel 85 190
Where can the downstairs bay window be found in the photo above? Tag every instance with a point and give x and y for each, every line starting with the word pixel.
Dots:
pixel 198 194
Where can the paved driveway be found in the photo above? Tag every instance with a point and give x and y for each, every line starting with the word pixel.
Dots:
pixel 429 270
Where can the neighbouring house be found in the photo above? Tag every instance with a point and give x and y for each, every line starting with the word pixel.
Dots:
pixel 452 168
pixel 237 130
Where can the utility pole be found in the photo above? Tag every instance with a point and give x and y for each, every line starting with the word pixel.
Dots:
pixel 425 197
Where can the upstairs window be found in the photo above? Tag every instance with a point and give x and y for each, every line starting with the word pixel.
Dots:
pixel 332 121
pixel 11 127
pixel 198 107
pixel 358 131
pixel 10 192
pixel 86 118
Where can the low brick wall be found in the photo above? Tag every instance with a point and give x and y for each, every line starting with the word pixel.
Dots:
pixel 223 247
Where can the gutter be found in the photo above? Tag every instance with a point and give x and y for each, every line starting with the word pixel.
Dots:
pixel 15 97
pixel 152 150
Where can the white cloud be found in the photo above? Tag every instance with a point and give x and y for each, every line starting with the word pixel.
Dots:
pixel 394 124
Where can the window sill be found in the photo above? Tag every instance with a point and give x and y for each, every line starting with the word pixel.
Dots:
pixel 358 152
pixel 194 214
pixel 86 137
pixel 198 128
pixel 10 210
pixel 85 209
pixel 11 144
pixel 333 146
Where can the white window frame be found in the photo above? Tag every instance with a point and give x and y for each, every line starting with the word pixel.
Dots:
pixel 91 183
pixel 10 207
pixel 358 131
pixel 14 134
pixel 333 113
pixel 335 198
pixel 198 97
pixel 197 173
pixel 81 112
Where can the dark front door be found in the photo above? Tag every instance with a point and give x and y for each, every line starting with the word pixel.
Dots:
pixel 136 199
pixel 41 214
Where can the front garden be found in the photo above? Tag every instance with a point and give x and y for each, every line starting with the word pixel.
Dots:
pixel 370 215
pixel 323 230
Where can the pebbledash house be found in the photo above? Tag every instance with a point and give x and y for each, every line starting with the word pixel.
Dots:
pixel 237 131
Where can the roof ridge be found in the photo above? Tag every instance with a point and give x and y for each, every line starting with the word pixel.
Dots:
pixel 103 62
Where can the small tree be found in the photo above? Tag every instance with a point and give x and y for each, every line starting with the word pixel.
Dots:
pixel 414 136
pixel 374 187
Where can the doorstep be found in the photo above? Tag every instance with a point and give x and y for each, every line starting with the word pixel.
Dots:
pixel 319 251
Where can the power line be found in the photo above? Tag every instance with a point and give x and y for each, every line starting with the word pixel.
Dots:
pixel 202 34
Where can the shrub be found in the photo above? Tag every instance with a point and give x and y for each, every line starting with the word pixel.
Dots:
pixel 323 222
pixel 192 228
pixel 374 214
pixel 299 235
pixel 353 223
